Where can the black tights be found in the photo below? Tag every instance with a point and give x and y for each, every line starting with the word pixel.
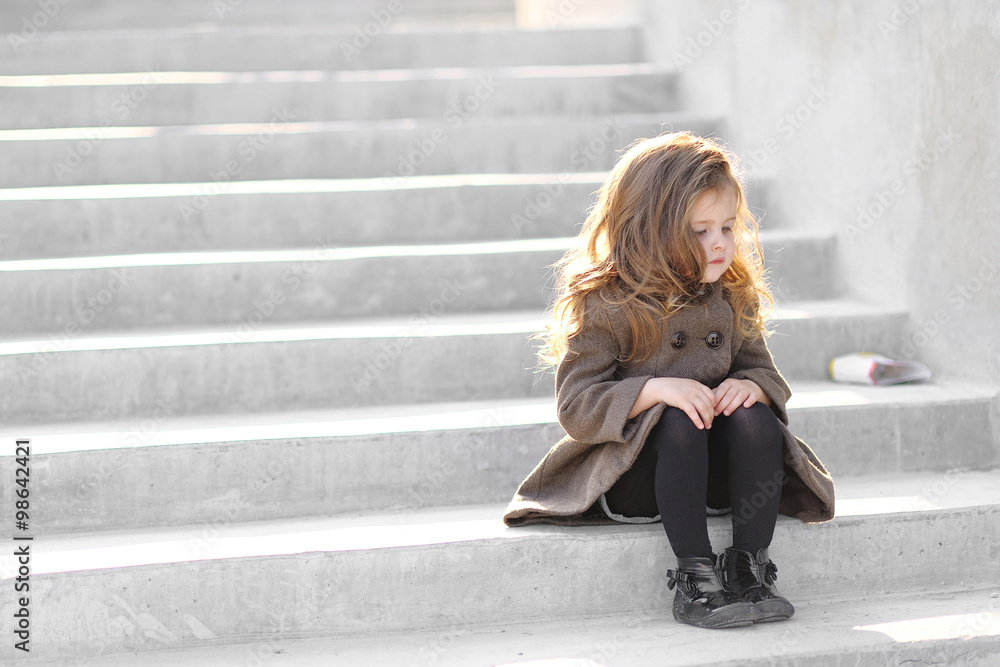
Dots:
pixel 681 469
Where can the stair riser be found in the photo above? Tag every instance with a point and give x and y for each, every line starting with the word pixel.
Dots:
pixel 249 377
pixel 878 439
pixel 289 477
pixel 38 228
pixel 153 102
pixel 109 14
pixel 250 294
pixel 982 650
pixel 803 348
pixel 271 151
pixel 34 303
pixel 801 269
pixel 199 379
pixel 545 573
pixel 547 206
pixel 242 50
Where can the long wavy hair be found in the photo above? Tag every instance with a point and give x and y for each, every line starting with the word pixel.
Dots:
pixel 638 253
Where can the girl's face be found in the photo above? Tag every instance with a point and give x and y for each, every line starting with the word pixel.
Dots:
pixel 712 219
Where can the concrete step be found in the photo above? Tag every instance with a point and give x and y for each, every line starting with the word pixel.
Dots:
pixel 322 283
pixel 430 356
pixel 425 571
pixel 175 98
pixel 940 628
pixel 264 466
pixel 73 221
pixel 281 286
pixel 69 221
pixel 289 149
pixel 109 14
pixel 276 47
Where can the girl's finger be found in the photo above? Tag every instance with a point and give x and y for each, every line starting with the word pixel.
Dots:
pixel 707 414
pixel 697 405
pixel 738 398
pixel 723 401
pixel 729 406
pixel 726 401
pixel 692 412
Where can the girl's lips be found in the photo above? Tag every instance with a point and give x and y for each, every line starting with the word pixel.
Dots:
pixel 717 261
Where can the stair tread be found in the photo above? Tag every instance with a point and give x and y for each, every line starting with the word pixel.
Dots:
pixel 291 186
pixel 292 31
pixel 886 496
pixel 465 324
pixel 378 419
pixel 125 132
pixel 199 77
pixel 332 253
pixel 890 627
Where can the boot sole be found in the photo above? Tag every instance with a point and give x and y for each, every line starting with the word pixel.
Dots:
pixel 725 618
pixel 777 611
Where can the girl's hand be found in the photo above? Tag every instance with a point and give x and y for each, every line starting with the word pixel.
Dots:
pixel 695 399
pixel 733 393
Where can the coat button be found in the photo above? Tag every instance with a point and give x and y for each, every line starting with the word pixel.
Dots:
pixel 714 340
pixel 678 340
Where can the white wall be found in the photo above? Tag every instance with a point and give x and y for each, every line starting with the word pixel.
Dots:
pixel 898 116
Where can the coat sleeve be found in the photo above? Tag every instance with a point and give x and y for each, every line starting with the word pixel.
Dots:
pixel 593 400
pixel 754 362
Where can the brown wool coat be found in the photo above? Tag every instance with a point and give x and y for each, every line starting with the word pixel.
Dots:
pixel 595 393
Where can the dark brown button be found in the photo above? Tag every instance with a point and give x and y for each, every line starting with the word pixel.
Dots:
pixel 678 340
pixel 714 340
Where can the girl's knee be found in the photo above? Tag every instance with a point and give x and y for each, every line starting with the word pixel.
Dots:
pixel 675 429
pixel 678 421
pixel 757 419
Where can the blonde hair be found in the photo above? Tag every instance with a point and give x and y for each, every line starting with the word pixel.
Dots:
pixel 638 253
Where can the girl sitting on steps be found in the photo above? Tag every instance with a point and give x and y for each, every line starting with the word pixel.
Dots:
pixel 665 386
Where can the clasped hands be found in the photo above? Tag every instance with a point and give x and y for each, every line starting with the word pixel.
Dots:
pixel 697 401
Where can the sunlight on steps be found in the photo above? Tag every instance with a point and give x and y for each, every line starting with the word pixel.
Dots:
pixel 319 254
pixel 523 323
pixel 381 421
pixel 959 626
pixel 290 186
pixel 314 76
pixel 469 524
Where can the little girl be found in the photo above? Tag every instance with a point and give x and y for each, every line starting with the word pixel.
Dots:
pixel 665 386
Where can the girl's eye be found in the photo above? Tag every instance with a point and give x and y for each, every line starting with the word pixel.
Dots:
pixel 727 230
pixel 701 232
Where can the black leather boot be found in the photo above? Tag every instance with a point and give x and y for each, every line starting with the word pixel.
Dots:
pixel 704 600
pixel 753 579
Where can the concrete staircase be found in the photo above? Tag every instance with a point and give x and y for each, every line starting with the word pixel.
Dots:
pixel 265 307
